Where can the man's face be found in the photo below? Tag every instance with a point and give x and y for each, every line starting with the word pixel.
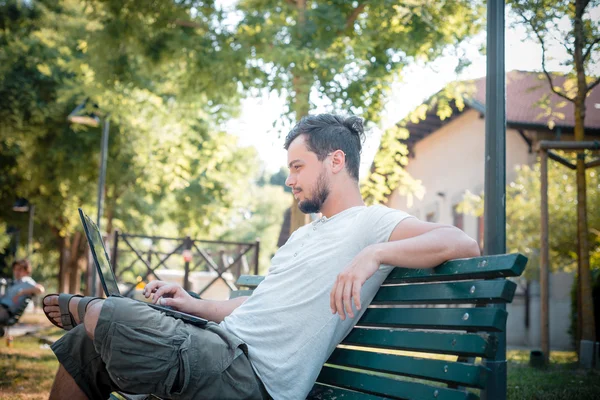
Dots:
pixel 308 177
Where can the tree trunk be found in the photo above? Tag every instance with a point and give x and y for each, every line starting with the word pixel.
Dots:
pixel 301 102
pixel 109 219
pixel 69 260
pixel 585 290
pixel 63 276
pixel 73 264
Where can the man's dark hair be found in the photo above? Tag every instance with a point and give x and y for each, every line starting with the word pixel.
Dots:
pixel 326 133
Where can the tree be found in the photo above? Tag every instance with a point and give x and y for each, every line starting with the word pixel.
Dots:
pixel 167 159
pixel 260 217
pixel 279 178
pixel 345 54
pixel 572 25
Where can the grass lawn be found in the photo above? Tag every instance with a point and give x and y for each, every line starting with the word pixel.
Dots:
pixel 27 370
pixel 561 380
pixel 28 367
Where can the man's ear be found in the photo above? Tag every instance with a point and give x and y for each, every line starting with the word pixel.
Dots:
pixel 338 161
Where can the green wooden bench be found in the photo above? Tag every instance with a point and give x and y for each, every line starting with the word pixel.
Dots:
pixel 424 335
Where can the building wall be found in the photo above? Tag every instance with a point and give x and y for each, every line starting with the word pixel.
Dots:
pixel 449 162
pixel 521 335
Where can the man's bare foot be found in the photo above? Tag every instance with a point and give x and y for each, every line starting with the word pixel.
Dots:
pixel 56 309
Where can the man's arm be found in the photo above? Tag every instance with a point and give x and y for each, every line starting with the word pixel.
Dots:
pixel 173 295
pixel 412 244
pixel 418 244
pixel 215 310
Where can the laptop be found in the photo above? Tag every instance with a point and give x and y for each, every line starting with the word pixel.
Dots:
pixel 108 278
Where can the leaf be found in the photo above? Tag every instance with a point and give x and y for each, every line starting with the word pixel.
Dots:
pixel 44 69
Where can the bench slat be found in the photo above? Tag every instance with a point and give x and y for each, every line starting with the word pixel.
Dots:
pixel 240 293
pixel 324 392
pixel 250 281
pixel 393 388
pixel 488 267
pixel 437 370
pixel 459 344
pixel 472 319
pixel 476 292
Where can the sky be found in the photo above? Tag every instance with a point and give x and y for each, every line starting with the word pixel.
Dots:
pixel 254 127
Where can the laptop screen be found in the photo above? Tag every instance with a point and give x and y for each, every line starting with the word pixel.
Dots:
pixel 107 276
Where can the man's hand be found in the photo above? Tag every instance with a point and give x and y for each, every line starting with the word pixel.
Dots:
pixel 168 294
pixel 348 283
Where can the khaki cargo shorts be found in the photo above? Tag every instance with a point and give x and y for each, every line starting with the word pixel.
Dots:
pixel 137 349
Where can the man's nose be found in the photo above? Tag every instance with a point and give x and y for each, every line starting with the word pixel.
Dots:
pixel 289 181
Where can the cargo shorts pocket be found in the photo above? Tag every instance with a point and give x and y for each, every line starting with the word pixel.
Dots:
pixel 145 360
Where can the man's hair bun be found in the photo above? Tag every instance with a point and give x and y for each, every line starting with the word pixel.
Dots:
pixel 355 125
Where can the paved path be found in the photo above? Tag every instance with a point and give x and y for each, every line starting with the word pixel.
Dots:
pixel 25 329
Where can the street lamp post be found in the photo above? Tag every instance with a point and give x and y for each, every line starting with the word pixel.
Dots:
pixel 22 205
pixel 78 116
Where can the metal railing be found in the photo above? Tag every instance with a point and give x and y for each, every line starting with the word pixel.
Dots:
pixel 136 258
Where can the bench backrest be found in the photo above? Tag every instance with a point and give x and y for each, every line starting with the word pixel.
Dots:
pixel 418 313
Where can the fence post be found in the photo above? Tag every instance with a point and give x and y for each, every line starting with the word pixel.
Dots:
pixel 113 260
pixel 186 276
pixel 256 254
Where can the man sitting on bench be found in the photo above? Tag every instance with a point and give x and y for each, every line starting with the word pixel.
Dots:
pixel 274 342
pixel 22 288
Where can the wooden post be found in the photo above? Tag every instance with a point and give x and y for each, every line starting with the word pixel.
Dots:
pixel 544 258
pixel 256 254
pixel 113 260
pixel 186 276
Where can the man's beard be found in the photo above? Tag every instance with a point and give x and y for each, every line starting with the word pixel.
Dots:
pixel 321 191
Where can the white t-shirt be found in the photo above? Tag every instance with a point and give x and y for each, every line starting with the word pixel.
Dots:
pixel 287 323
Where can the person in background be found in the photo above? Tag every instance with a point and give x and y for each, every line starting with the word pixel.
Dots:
pixel 22 288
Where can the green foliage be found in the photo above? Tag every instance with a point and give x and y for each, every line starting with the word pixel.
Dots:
pixel 169 166
pixel 260 218
pixel 387 173
pixel 552 24
pixel 523 216
pixel 166 74
pixel 4 237
pixel 279 178
pixel 346 54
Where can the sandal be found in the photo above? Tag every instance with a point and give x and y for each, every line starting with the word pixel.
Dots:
pixel 67 319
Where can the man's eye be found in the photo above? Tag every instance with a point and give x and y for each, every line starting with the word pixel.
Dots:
pixel 296 167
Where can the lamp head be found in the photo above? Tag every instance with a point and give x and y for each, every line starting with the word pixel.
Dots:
pixel 80 116
pixel 21 205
